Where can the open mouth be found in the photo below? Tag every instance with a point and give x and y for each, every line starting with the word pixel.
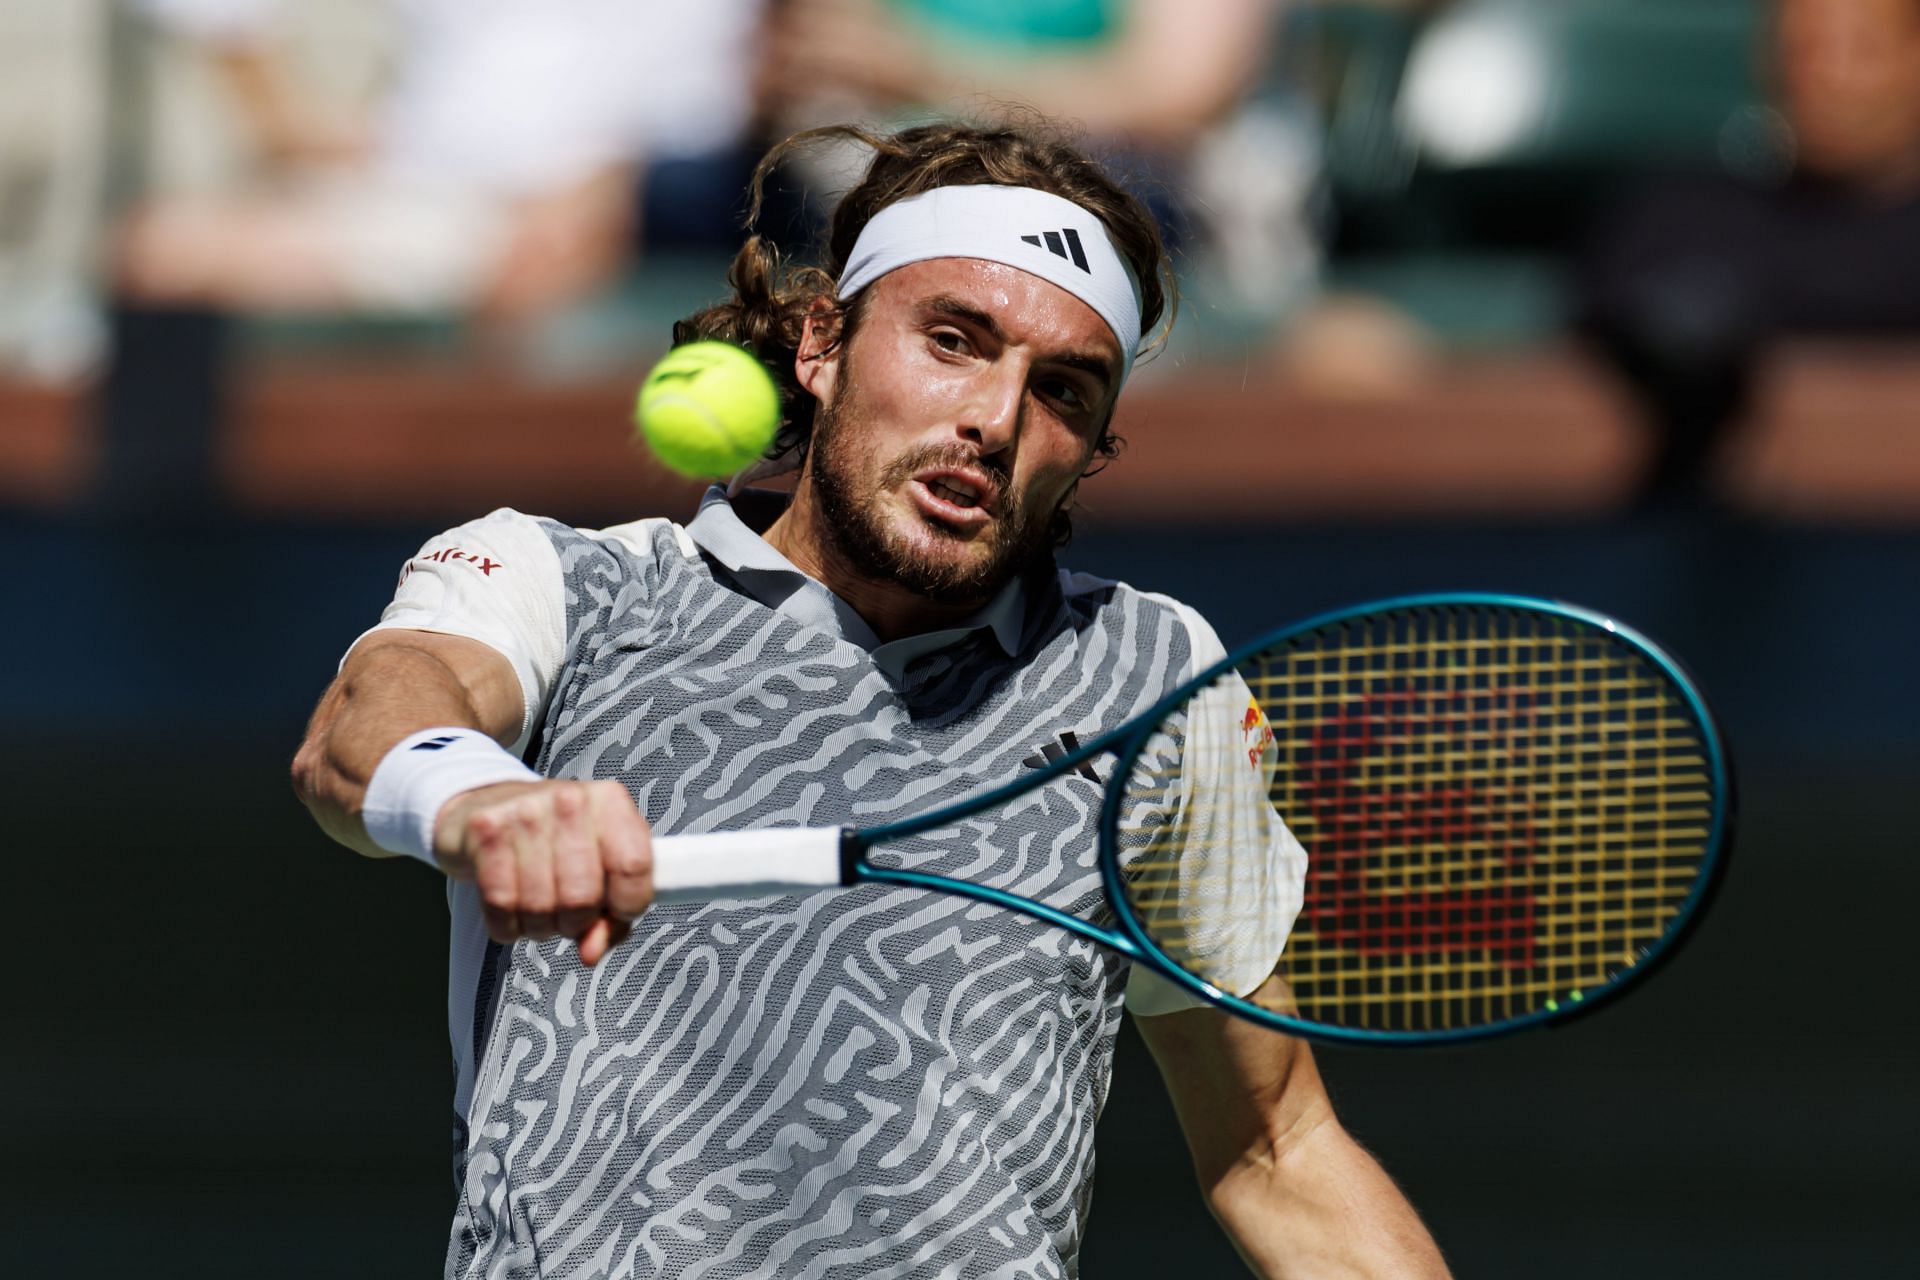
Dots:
pixel 960 495
pixel 958 492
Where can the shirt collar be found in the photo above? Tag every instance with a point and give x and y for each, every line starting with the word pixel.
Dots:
pixel 776 582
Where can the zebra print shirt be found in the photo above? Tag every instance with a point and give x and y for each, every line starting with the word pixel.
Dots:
pixel 863 1082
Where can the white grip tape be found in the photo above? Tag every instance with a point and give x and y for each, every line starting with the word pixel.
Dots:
pixel 745 864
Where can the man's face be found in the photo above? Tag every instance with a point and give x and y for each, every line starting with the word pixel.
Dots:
pixel 1850 80
pixel 955 422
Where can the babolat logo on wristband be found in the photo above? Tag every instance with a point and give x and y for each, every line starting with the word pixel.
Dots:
pixel 421 773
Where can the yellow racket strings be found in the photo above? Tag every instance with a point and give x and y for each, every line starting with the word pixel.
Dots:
pixel 1501 810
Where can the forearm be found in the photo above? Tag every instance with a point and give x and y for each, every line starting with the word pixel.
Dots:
pixel 382 695
pixel 1319 1206
pixel 1297 1194
pixel 281 117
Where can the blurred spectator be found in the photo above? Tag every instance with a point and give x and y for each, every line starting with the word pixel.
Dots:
pixel 1688 282
pixel 52 179
pixel 1144 79
pixel 1153 73
pixel 498 172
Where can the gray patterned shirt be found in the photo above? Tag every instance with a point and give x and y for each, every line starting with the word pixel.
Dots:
pixel 861 1082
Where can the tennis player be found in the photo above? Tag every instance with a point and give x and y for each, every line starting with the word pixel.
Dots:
pixel 857 1082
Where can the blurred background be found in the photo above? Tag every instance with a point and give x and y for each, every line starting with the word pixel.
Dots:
pixel 1616 301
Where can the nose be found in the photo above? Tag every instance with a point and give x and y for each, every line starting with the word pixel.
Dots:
pixel 992 414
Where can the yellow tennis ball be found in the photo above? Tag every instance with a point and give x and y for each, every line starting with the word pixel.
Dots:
pixel 708 409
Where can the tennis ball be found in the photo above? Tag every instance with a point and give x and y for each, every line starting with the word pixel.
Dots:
pixel 708 409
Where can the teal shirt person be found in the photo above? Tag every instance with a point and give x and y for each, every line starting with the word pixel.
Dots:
pixel 1015 25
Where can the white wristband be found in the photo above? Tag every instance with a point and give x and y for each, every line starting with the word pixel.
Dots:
pixel 423 772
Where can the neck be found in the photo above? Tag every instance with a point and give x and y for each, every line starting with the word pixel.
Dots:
pixel 890 609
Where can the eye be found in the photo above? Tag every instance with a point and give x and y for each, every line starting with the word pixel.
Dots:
pixel 1066 392
pixel 951 341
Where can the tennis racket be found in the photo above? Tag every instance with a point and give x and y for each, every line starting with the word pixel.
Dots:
pixel 1510 810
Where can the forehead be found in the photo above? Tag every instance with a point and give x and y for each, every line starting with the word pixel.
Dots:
pixel 1027 309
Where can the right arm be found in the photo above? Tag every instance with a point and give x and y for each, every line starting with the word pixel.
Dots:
pixel 551 858
pixel 1296 1193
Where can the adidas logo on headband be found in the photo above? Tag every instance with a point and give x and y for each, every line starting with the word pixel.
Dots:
pixel 983 221
pixel 1059 250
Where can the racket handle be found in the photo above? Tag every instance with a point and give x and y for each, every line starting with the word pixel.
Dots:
pixel 750 864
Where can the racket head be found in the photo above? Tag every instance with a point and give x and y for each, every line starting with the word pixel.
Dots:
pixel 1513 810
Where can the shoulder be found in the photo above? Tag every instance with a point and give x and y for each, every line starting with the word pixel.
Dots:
pixel 637 537
pixel 503 555
pixel 514 551
pixel 651 538
pixel 1179 624
pixel 486 541
pixel 623 548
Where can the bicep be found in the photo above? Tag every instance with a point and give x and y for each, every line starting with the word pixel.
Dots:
pixel 392 683
pixel 433 677
pixel 473 636
pixel 496 583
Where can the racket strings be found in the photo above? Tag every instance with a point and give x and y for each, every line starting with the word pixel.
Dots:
pixel 1501 810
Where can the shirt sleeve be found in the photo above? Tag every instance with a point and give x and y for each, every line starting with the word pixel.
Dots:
pixel 496 580
pixel 1240 875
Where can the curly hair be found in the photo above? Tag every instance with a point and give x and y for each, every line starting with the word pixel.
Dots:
pixel 772 299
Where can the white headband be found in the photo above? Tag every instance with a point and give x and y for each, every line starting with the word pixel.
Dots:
pixel 1042 234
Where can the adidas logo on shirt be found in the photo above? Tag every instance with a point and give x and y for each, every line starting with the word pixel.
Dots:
pixel 1052 242
pixel 1052 751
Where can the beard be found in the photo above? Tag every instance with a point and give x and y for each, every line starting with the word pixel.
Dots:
pixel 1019 540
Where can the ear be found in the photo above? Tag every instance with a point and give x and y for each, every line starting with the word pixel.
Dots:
pixel 816 365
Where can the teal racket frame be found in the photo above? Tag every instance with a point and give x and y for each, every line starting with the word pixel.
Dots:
pixel 1129 937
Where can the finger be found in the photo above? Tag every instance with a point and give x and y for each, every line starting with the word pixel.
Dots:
pixel 626 852
pixel 596 941
pixel 532 830
pixel 578 880
pixel 601 938
pixel 489 849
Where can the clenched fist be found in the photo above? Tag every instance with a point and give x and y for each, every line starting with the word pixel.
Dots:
pixel 551 859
